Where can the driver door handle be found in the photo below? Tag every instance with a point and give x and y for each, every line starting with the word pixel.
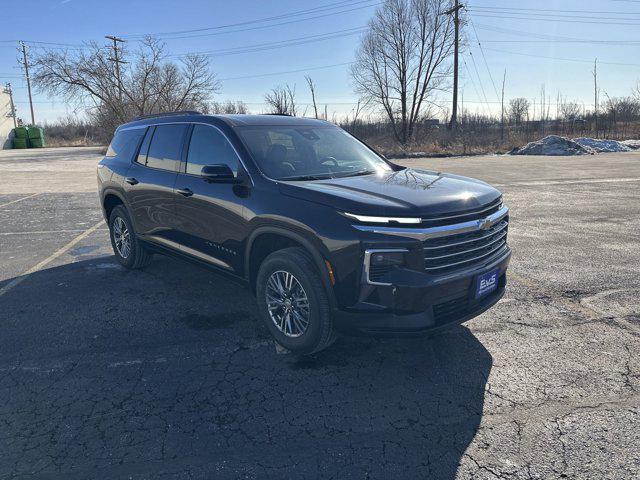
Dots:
pixel 186 192
pixel 131 181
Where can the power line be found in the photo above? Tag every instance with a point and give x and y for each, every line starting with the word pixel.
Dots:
pixel 264 26
pixel 335 5
pixel 35 42
pixel 550 38
pixel 563 59
pixel 473 83
pixel 548 11
pixel 475 67
pixel 285 72
pixel 485 59
pixel 560 20
pixel 274 45
pixel 630 43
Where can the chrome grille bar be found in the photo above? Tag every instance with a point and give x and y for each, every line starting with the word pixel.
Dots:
pixel 500 227
pixel 464 252
pixel 467 260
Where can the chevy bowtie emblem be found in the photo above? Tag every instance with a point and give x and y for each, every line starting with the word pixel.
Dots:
pixel 484 224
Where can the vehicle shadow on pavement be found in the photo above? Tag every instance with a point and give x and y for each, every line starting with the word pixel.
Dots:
pixel 167 370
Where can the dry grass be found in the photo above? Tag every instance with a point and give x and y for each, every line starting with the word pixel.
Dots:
pixel 485 139
pixel 70 142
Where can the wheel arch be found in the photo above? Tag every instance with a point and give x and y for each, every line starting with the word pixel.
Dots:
pixel 265 240
pixel 111 199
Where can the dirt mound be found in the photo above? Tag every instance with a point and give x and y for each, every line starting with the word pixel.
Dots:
pixel 553 145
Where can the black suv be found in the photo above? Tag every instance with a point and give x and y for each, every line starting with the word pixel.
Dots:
pixel 327 233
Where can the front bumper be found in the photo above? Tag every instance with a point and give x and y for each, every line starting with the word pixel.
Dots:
pixel 417 303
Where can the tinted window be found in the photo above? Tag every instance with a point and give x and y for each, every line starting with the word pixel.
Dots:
pixel 125 143
pixel 316 152
pixel 144 148
pixel 209 147
pixel 166 146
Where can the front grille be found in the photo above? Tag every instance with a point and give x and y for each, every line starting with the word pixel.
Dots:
pixel 458 251
pixel 474 214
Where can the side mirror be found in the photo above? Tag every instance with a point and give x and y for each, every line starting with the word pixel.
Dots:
pixel 220 173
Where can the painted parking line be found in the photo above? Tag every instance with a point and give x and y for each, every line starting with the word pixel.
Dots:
pixel 584 181
pixel 19 200
pixel 18 280
pixel 47 232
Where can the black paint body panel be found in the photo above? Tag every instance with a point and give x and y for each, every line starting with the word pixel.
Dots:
pixel 218 224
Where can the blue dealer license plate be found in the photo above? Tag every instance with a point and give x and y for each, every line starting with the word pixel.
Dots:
pixel 486 283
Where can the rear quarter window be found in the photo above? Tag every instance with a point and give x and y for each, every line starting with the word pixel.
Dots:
pixel 166 146
pixel 125 143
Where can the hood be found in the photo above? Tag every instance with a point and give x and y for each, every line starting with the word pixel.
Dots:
pixel 408 192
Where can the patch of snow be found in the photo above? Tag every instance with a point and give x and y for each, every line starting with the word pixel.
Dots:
pixel 632 144
pixel 603 145
pixel 554 145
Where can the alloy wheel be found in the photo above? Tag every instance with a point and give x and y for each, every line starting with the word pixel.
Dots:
pixel 287 303
pixel 121 237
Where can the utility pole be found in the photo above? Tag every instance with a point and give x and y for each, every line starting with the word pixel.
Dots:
pixel 456 23
pixel 8 91
pixel 504 79
pixel 26 74
pixel 595 93
pixel 117 61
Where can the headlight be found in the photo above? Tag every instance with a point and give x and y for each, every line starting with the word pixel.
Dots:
pixel 369 219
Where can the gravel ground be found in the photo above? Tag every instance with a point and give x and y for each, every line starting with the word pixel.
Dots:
pixel 166 373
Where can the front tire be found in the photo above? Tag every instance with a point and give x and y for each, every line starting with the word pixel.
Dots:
pixel 293 302
pixel 128 249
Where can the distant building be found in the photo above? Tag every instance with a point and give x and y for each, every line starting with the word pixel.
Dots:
pixel 6 121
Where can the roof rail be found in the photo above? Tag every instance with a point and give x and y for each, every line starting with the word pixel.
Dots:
pixel 166 114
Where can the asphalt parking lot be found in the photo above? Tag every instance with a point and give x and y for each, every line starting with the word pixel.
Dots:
pixel 166 373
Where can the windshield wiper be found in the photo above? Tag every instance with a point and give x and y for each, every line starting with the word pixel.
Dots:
pixel 309 177
pixel 355 174
pixel 329 175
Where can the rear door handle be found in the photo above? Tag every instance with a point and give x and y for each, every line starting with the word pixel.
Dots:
pixel 131 181
pixel 185 192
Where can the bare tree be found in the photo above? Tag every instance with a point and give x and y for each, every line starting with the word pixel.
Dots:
pixel 623 109
pixel 569 110
pixel 149 83
pixel 403 60
pixel 312 88
pixel 518 109
pixel 282 100
pixel 229 107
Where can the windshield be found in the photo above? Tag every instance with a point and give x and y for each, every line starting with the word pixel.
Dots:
pixel 304 153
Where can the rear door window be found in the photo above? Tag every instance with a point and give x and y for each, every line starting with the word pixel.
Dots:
pixel 165 149
pixel 125 143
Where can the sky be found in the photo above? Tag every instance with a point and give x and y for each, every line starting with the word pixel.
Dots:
pixel 548 44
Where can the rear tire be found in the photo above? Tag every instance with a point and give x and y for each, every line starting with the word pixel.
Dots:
pixel 298 315
pixel 129 251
